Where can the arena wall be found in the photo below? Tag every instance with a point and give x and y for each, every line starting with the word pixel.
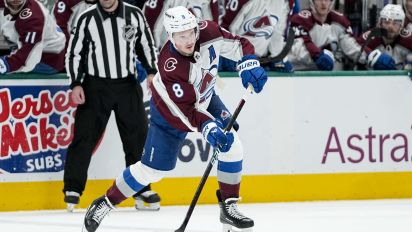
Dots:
pixel 308 136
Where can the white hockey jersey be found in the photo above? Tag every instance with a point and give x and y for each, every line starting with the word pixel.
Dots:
pixel 263 22
pixel 312 37
pixel 36 36
pixel 66 13
pixel 400 50
pixel 154 9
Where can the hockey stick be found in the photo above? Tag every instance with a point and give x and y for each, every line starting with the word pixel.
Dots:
pixel 375 32
pixel 285 49
pixel 211 163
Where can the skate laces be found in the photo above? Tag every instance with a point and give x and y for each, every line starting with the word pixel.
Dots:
pixel 101 211
pixel 232 209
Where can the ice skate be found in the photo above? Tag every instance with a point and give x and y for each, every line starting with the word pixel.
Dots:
pixel 72 199
pixel 231 218
pixel 95 213
pixel 148 200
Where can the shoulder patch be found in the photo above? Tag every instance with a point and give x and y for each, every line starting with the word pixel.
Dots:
pixel 405 33
pixel 25 13
pixel 170 64
pixel 305 14
pixel 202 24
pixel 365 35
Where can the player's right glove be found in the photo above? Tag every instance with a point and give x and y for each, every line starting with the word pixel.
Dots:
pixel 251 73
pixel 215 136
pixel 325 61
pixel 380 61
pixel 4 65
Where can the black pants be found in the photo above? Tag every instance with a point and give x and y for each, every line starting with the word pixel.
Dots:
pixel 103 96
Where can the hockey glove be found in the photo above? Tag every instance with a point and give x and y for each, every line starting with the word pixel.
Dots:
pixel 4 65
pixel 325 61
pixel 251 73
pixel 214 135
pixel 141 72
pixel 380 61
pixel 282 66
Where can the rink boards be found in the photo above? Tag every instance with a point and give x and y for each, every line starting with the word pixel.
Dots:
pixel 313 136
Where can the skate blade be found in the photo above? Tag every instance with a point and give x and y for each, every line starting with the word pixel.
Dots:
pixel 230 228
pixel 140 205
pixel 70 207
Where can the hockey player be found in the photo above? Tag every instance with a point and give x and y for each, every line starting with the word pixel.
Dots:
pixel 66 12
pixel 154 9
pixel 184 100
pixel 38 41
pixel 323 37
pixel 264 23
pixel 397 43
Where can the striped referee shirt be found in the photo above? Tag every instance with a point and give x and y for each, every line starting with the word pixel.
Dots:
pixel 105 44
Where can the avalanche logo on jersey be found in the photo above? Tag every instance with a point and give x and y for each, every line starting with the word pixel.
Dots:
pixel 25 13
pixel 261 26
pixel 170 64
pixel 206 85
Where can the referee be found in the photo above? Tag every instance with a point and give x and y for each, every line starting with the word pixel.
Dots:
pixel 100 61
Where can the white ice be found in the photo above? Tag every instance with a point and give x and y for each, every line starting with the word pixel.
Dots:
pixel 329 216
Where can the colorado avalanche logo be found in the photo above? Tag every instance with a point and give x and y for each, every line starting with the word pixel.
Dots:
pixel 261 26
pixel 128 32
pixel 206 85
pixel 405 33
pixel 25 13
pixel 202 25
pixel 224 114
pixel 170 64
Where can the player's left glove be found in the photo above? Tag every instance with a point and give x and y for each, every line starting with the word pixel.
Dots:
pixel 283 66
pixel 215 136
pixel 4 65
pixel 141 72
pixel 251 73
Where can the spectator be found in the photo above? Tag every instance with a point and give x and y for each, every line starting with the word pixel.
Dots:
pixel 153 10
pixel 323 38
pixel 38 43
pixel 396 42
pixel 107 37
pixel 264 23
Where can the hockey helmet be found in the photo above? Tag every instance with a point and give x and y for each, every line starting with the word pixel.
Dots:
pixel 15 6
pixel 178 19
pixel 392 12
pixel 312 5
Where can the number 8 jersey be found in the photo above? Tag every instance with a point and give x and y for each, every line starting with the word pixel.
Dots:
pixel 184 85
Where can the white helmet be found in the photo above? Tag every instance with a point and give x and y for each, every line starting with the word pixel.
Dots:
pixel 392 12
pixel 312 5
pixel 13 10
pixel 179 19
